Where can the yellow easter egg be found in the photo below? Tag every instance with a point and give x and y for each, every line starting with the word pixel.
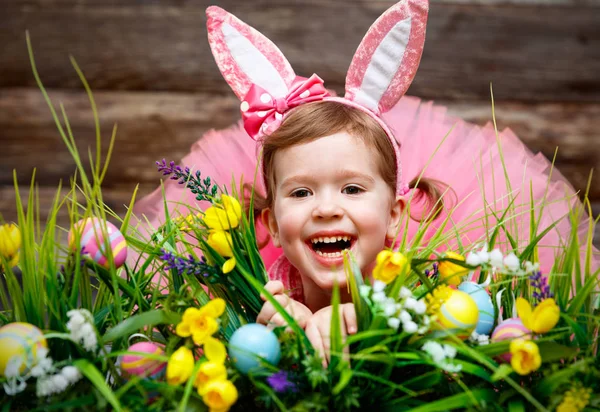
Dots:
pixel 20 339
pixel 458 315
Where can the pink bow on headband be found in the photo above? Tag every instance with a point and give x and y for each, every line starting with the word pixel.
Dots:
pixel 261 111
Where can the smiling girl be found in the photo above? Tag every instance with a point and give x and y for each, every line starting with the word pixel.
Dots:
pixel 333 172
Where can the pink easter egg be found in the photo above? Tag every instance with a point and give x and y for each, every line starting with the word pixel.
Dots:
pixel 143 366
pixel 91 239
pixel 510 329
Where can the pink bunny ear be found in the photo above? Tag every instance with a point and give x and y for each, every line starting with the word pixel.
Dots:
pixel 387 59
pixel 245 56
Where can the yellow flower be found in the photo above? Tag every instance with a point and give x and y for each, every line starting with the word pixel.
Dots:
pixel 10 242
pixel 226 217
pixel 525 356
pixel 186 223
pixel 543 318
pixel 389 265
pixel 575 399
pixel 221 242
pixel 214 369
pixel 201 323
pixel 180 366
pixel 451 273
pixel 219 395
pixel 229 265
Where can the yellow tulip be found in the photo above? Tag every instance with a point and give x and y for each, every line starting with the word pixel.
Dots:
pixel 208 372
pixel 219 395
pixel 10 242
pixel 221 242
pixel 451 273
pixel 201 323
pixel 214 350
pixel 180 366
pixel 543 318
pixel 226 217
pixel 229 265
pixel 389 265
pixel 525 356
pixel 232 206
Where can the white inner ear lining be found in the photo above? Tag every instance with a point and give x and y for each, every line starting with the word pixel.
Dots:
pixel 253 63
pixel 384 65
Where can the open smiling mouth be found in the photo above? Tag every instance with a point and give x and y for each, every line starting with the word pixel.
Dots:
pixel 331 246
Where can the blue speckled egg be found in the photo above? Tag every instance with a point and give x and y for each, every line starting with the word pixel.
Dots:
pixel 250 343
pixel 484 304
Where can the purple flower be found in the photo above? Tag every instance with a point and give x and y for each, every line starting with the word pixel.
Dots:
pixel 190 265
pixel 203 189
pixel 280 383
pixel 541 289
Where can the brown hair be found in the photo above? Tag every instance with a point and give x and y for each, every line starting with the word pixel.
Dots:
pixel 312 121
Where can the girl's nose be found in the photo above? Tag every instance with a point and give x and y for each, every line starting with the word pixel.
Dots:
pixel 327 209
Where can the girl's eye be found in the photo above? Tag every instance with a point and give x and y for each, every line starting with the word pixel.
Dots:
pixel 352 190
pixel 300 193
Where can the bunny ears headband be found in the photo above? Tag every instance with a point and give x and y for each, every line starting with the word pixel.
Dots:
pixel 381 71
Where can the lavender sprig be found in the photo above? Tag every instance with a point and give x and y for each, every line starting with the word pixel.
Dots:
pixel 280 383
pixel 190 266
pixel 541 289
pixel 204 189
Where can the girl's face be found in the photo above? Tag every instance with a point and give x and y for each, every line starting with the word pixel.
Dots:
pixel 330 196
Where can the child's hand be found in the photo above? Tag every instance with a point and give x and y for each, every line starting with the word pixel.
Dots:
pixel 268 314
pixel 318 328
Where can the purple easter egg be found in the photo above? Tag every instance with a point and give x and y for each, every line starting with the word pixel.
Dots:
pixel 509 329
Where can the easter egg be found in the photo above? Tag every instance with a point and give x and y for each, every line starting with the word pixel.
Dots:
pixel 143 366
pixel 511 328
pixel 250 343
pixel 484 304
pixel 20 339
pixel 92 241
pixel 458 315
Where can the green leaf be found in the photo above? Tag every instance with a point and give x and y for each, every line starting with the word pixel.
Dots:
pixel 137 322
pixel 459 401
pixel 502 372
pixel 98 380
pixel 516 406
pixel 552 351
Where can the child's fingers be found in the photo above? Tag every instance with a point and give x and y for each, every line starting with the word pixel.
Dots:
pixel 314 336
pixel 268 310
pixel 274 287
pixel 349 315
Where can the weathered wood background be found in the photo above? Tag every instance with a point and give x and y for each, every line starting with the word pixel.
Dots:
pixel 150 67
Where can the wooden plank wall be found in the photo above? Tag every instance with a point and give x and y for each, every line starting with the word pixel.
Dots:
pixel 152 73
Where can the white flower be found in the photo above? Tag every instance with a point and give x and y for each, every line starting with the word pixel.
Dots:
pixel 422 330
pixel 364 291
pixel 484 256
pixel 59 382
pixel 13 367
pixel 450 367
pixel 43 387
pixel 393 323
pixel 531 267
pixel 378 297
pixel 410 303
pixel 483 339
pixel 14 386
pixel 405 317
pixel 71 374
pixel 389 308
pixel 512 262
pixel 435 350
pixel 473 259
pixel 82 329
pixel 450 351
pixel 410 327
pixel 405 293
pixel 378 286
pixel 42 367
pixel 420 307
pixel 496 258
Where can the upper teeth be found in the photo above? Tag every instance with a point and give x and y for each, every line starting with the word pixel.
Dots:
pixel 331 239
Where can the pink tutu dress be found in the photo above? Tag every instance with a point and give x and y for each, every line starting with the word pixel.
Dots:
pixel 462 155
